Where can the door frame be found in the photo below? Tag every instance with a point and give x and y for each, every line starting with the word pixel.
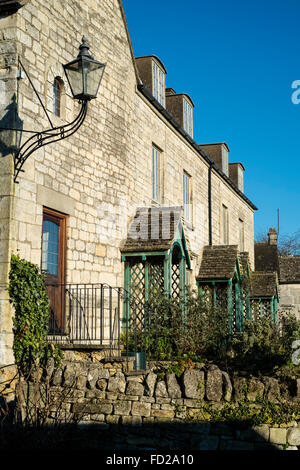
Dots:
pixel 60 219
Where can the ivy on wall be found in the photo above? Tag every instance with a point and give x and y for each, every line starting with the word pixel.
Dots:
pixel 30 324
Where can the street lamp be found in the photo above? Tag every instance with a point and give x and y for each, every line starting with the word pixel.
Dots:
pixel 84 75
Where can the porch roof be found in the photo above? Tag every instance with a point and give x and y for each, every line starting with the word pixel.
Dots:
pixel 263 284
pixel 218 262
pixel 155 229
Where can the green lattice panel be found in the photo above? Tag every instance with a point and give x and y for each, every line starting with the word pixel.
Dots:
pixel 221 295
pixel 206 292
pixel 234 306
pixel 137 291
pixel 175 281
pixel 156 277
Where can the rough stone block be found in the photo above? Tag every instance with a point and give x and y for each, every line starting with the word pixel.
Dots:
pixel 262 432
pixel 98 417
pixel 122 408
pixel 193 384
pixel 272 389
pixel 255 389
pixel 94 394
pixel 239 388
pixel 117 383
pixel 81 382
pixel 92 377
pixel 132 421
pixel 92 408
pixel 189 403
pixel 278 435
pixel 162 413
pixel 135 388
pixel 173 387
pixel 227 386
pixel 298 388
pixel 161 389
pixel 121 396
pixel 103 373
pixel 163 401
pixel 101 384
pixel 112 419
pixel 214 384
pixel 147 399
pixel 141 409
pixel 293 436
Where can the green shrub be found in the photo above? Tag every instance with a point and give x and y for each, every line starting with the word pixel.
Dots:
pixel 176 330
pixel 30 324
pixel 197 330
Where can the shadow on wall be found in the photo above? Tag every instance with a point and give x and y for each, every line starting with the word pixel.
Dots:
pixel 133 436
pixel 10 140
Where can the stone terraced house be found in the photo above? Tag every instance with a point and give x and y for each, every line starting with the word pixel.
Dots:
pixel 268 259
pixel 127 201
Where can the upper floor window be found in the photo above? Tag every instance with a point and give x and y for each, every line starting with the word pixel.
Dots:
pixel 156 175
pixel 187 199
pixel 241 235
pixel 58 85
pixel 225 225
pixel 188 117
pixel 158 78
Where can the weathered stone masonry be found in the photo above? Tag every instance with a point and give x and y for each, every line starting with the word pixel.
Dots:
pixel 100 175
pixel 144 409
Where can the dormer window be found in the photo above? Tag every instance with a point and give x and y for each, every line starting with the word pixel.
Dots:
pixel 240 179
pixel 225 160
pixel 236 173
pixel 188 117
pixel 158 78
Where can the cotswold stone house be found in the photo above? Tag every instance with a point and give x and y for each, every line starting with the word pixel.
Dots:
pixel 80 207
pixel 287 269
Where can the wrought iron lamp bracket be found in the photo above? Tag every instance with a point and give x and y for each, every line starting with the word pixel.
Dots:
pixel 83 90
pixel 42 138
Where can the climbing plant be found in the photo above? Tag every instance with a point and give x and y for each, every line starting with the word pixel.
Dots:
pixel 30 324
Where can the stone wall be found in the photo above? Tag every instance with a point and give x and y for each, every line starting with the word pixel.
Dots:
pixel 289 299
pixel 158 410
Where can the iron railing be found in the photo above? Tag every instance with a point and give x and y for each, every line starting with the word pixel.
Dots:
pixel 98 315
pixel 86 313
pixel 104 317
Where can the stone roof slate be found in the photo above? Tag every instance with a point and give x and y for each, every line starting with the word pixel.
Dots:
pixel 289 269
pixel 218 262
pixel 263 284
pixel 153 229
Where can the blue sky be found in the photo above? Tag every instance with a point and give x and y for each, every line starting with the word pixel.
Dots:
pixel 237 60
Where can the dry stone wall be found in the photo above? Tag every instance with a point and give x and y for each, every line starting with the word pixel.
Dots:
pixel 159 410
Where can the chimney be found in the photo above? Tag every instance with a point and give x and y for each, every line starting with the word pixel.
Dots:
pixel 272 236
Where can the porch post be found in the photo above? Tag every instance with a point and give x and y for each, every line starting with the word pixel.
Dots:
pixel 229 305
pixel 126 303
pixel 167 275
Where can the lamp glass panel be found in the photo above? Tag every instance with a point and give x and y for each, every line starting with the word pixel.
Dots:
pixel 74 73
pixel 91 76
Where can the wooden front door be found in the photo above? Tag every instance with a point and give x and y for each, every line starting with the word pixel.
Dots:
pixel 53 261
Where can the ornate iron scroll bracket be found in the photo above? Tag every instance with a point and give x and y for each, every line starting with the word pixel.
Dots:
pixel 42 138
